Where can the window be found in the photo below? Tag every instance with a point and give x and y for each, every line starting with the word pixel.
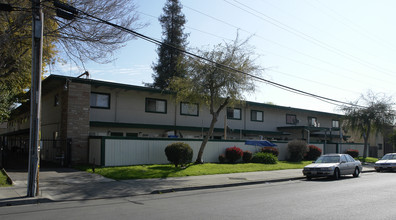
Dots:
pixel 256 115
pixel 335 124
pixel 100 100
pixel 189 109
pixel 343 158
pixel 291 119
pixel 155 105
pixel 349 158
pixel 234 113
pixel 312 121
pixel 116 134
pixel 132 134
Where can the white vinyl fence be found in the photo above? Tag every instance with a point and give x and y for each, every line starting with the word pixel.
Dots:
pixel 108 151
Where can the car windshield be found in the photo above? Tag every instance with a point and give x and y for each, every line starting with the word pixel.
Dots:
pixel 328 159
pixel 389 157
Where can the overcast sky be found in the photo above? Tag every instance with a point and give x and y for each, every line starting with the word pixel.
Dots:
pixel 336 49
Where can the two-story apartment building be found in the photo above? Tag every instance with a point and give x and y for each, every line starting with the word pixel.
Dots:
pixel 76 109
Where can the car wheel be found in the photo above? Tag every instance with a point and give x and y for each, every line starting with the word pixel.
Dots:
pixel 378 170
pixel 309 177
pixel 356 173
pixel 336 174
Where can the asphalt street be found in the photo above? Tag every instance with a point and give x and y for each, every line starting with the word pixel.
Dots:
pixel 366 197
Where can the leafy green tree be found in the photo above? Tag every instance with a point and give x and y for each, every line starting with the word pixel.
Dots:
pixel 170 59
pixel 219 83
pixel 376 115
pixel 79 40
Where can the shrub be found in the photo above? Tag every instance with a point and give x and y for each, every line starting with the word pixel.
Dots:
pixel 222 158
pixel 313 153
pixel 297 150
pixel 247 156
pixel 266 158
pixel 272 150
pixel 233 154
pixel 354 153
pixel 179 153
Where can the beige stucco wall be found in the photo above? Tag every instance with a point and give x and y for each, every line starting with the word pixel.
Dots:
pixel 128 106
pixel 51 114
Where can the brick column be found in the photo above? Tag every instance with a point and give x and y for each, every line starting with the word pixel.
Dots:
pixel 75 119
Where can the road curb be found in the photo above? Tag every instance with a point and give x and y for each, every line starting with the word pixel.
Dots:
pixel 181 189
pixel 24 201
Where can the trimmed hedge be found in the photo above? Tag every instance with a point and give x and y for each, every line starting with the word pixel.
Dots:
pixel 265 158
pixel 272 150
pixel 179 153
pixel 297 150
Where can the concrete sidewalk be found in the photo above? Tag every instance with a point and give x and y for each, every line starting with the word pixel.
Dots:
pixel 72 185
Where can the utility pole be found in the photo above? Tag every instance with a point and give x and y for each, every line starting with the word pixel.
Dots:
pixel 35 99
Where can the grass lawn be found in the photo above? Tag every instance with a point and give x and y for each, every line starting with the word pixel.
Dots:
pixel 368 159
pixel 3 180
pixel 162 171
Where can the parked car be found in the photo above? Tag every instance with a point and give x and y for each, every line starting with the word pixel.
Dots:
pixel 333 165
pixel 387 162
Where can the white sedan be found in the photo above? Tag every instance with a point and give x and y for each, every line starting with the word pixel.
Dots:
pixel 387 162
pixel 333 165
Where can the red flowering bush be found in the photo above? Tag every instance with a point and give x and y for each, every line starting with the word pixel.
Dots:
pixel 233 154
pixel 271 150
pixel 247 156
pixel 313 153
pixel 354 153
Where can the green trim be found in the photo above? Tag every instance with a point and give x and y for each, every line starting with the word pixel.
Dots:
pixel 310 128
pixel 98 83
pixel 290 109
pixel 172 127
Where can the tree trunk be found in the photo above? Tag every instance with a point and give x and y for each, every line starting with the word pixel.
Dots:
pixel 206 139
pixel 365 148
pixel 215 115
pixel 366 138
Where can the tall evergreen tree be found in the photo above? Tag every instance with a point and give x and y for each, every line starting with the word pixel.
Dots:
pixel 170 60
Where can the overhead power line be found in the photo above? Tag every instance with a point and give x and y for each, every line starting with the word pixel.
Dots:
pixel 217 65
pixel 306 37
pixel 310 56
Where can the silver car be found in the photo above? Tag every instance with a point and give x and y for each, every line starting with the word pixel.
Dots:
pixel 333 165
pixel 387 162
